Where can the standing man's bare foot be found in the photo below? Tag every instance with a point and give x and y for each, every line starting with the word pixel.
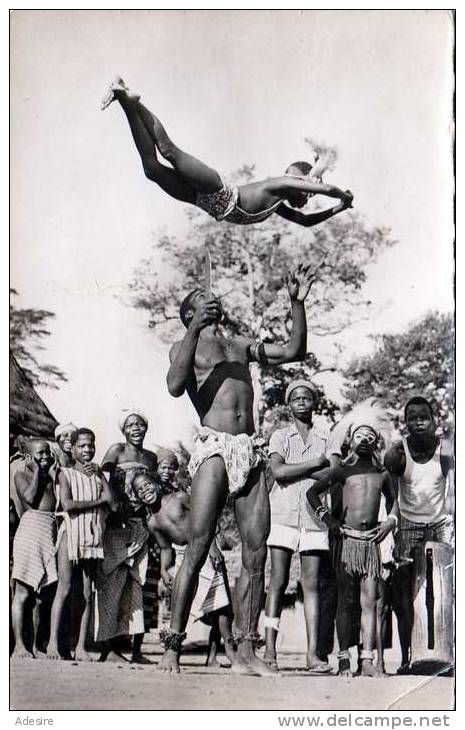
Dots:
pixel 117 91
pixel 368 670
pixel 380 669
pixel 38 654
pixel 240 666
pixel 53 654
pixel 247 657
pixel 169 662
pixel 316 665
pixel 21 652
pixel 81 655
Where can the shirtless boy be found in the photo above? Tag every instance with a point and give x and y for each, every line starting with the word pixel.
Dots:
pixel 34 562
pixel 421 465
pixel 357 537
pixel 215 372
pixel 84 497
pixel 167 519
pixel 192 181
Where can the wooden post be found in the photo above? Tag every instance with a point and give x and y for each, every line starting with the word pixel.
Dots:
pixel 433 603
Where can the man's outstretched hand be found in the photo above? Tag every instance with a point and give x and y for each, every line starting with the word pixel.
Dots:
pixel 300 281
pixel 347 200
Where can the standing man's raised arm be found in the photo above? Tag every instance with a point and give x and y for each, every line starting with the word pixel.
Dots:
pixel 298 284
pixel 182 354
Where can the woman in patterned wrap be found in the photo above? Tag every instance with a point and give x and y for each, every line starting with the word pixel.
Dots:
pixel 120 588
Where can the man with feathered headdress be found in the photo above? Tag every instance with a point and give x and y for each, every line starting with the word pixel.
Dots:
pixel 357 533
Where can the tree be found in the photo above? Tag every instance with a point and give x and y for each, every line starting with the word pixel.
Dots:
pixel 28 328
pixel 250 264
pixel 419 361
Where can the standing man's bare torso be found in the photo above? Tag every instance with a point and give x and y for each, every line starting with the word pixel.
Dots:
pixel 221 386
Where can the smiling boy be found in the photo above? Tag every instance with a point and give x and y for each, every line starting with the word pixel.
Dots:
pixel 84 496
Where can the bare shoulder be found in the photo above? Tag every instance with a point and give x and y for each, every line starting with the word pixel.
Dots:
pixel 447 448
pixel 275 183
pixel 174 349
pixel 153 520
pixel 21 478
pixel 113 453
pixel 394 460
pixel 447 456
pixel 338 474
pixel 184 499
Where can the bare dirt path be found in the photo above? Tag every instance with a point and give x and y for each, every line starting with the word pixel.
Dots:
pixel 45 685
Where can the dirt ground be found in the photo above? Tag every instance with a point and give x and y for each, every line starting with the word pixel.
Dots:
pixel 43 685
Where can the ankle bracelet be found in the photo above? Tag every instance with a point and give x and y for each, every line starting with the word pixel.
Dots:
pixel 367 654
pixel 253 636
pixel 170 639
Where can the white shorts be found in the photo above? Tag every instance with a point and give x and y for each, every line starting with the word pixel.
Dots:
pixel 296 539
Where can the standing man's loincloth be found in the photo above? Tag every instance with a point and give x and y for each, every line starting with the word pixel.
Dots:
pixel 240 453
pixel 34 552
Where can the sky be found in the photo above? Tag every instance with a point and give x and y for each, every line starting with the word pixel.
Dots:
pixel 232 87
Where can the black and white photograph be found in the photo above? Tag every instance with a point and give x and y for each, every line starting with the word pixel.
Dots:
pixel 232 362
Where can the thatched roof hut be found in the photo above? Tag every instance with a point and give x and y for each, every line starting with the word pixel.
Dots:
pixel 29 416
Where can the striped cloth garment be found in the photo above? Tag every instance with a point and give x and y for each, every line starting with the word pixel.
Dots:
pixel 84 530
pixel 34 560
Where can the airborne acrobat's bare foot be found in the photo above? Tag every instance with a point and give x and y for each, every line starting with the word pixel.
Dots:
pixel 118 91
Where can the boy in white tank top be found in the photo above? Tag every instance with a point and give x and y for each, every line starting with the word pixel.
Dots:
pixel 421 462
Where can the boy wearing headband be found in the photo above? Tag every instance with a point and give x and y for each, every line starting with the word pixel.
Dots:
pixel 297 452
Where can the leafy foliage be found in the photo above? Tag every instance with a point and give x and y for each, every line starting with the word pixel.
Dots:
pixel 419 361
pixel 250 266
pixel 28 328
